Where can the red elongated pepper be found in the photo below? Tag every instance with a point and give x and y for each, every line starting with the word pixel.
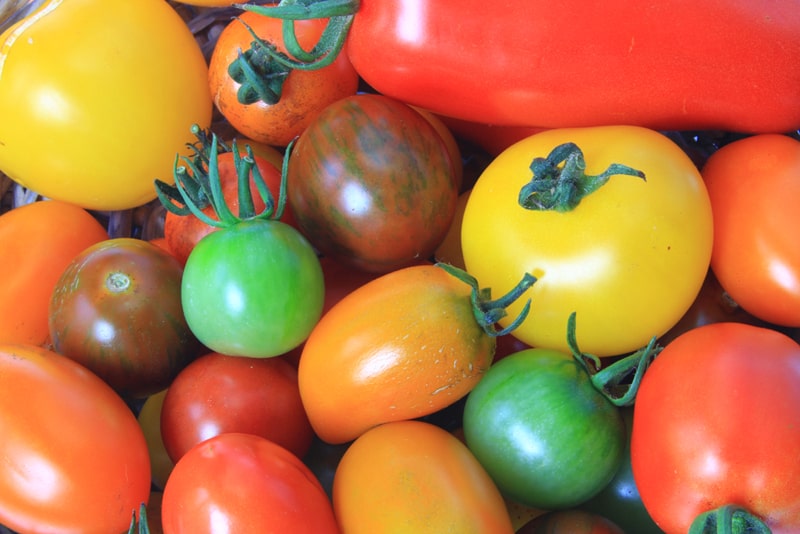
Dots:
pixel 665 64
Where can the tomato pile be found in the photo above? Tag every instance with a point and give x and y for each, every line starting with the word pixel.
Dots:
pixel 347 267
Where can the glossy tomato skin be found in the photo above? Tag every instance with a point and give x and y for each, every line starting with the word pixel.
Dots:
pixel 116 309
pixel 217 393
pixel 149 418
pixel 754 189
pixel 243 483
pixel 304 93
pixel 411 476
pixel 74 458
pixel 254 289
pixel 716 423
pixel 113 86
pixel 42 238
pixel 629 259
pixel 400 347
pixel 371 183
pixel 544 397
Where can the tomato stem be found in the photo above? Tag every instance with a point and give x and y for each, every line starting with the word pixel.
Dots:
pixel 560 182
pixel 142 527
pixel 201 186
pixel 339 13
pixel 259 75
pixel 728 519
pixel 612 382
pixel 487 311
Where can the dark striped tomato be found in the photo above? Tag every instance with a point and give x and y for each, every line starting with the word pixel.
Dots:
pixel 371 183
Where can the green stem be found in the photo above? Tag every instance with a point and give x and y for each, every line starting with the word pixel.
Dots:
pixel 560 181
pixel 488 311
pixel 728 519
pixel 613 381
pixel 259 75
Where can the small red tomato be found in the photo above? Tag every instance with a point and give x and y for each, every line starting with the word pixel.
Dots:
pixel 218 393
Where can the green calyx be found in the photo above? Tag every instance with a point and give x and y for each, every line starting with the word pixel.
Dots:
pixel 259 75
pixel 198 184
pixel 140 527
pixel 560 182
pixel 728 519
pixel 488 311
pixel 614 382
pixel 339 13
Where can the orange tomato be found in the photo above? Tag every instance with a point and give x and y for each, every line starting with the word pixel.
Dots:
pixel 412 476
pixel 404 345
pixel 304 93
pixel 38 241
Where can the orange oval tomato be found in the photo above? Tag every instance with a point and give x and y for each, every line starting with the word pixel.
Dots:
pixel 304 93
pixel 399 347
pixel 74 459
pixel 38 241
pixel 412 476
pixel 754 187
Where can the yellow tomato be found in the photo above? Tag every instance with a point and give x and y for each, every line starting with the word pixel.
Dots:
pixel 415 477
pixel 97 97
pixel 629 259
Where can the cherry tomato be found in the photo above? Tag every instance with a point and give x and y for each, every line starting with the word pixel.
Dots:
pixel 149 418
pixel 411 476
pixel 370 182
pixel 112 86
pixel 244 483
pixel 755 190
pixel 74 457
pixel 715 418
pixel 217 393
pixel 301 94
pixel 117 310
pixel 570 522
pixel 42 238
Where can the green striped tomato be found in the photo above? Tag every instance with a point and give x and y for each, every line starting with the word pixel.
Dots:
pixel 371 183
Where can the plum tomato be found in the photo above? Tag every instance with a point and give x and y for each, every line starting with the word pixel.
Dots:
pixel 116 309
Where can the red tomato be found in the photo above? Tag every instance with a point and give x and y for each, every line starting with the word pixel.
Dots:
pixel 304 93
pixel 754 187
pixel 117 310
pixel 73 456
pixel 411 476
pixel 371 183
pixel 717 422
pixel 242 483
pixel 218 393
pixel 38 241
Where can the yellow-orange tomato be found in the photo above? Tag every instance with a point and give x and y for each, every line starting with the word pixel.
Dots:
pixel 304 93
pixel 402 346
pixel 412 476
pixel 38 241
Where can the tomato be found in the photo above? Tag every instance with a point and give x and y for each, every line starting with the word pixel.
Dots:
pixel 370 182
pixel 113 86
pixel 411 476
pixel 301 94
pixel 42 238
pixel 149 419
pixel 449 249
pixel 451 143
pixel 619 500
pixel 74 458
pixel 402 346
pixel 715 418
pixel 754 189
pixel 243 483
pixel 629 258
pixel 571 522
pixel 116 309
pixel 218 393
pixel 182 232
pixel 545 434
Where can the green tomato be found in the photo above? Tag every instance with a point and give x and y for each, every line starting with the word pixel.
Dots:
pixel 253 289
pixel 545 434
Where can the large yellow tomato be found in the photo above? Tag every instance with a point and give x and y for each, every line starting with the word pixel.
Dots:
pixel 97 97
pixel 629 258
